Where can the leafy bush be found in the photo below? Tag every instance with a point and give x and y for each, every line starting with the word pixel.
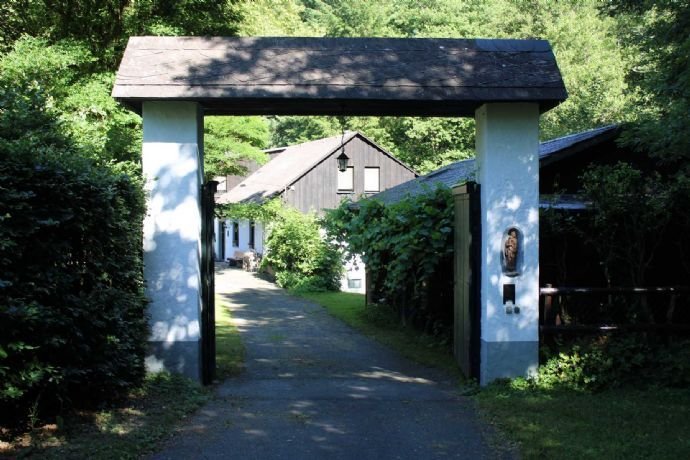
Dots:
pixel 631 212
pixel 72 307
pixel 299 255
pixel 408 251
pixel 608 362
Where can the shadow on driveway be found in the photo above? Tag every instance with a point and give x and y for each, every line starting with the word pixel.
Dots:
pixel 315 388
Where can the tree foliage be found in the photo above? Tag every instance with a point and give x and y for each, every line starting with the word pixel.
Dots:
pixel 229 140
pixel 73 54
pixel 102 129
pixel 105 25
pixel 657 38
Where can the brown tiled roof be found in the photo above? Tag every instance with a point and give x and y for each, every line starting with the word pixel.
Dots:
pixel 353 76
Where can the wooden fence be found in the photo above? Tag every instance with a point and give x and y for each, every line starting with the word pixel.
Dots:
pixel 587 310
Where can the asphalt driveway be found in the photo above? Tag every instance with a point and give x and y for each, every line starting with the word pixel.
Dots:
pixel 315 388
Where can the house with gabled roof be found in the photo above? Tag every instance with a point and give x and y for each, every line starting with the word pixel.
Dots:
pixel 311 177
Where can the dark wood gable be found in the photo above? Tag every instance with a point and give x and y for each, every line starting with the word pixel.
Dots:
pixel 318 188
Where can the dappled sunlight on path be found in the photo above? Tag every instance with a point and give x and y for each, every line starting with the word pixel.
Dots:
pixel 315 388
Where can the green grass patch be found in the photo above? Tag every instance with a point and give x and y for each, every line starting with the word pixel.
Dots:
pixel 383 326
pixel 129 429
pixel 230 350
pixel 620 423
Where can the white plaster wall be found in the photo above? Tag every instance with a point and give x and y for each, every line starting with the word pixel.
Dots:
pixel 259 237
pixel 354 269
pixel 173 167
pixel 507 146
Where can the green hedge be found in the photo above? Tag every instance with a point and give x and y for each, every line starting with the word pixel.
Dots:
pixel 407 248
pixel 72 307
pixel 72 311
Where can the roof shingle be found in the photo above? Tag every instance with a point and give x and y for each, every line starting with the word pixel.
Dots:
pixel 458 172
pixel 355 76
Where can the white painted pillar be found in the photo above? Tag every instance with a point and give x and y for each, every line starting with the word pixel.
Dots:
pixel 507 146
pixel 173 167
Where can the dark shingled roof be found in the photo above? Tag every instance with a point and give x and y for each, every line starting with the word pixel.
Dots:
pixel 461 171
pixel 352 76
pixel 562 147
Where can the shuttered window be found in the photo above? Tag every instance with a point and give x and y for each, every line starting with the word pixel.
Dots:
pixel 371 179
pixel 235 234
pixel 346 180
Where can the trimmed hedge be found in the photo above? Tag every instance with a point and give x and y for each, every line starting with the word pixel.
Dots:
pixel 72 307
pixel 72 310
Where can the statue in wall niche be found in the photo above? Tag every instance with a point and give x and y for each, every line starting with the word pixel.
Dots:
pixel 510 251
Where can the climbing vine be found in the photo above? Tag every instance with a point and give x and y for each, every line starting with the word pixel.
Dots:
pixel 260 212
pixel 407 248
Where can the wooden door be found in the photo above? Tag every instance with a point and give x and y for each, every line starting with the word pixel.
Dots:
pixel 467 264
pixel 208 316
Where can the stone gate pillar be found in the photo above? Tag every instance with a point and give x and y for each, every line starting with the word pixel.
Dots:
pixel 507 144
pixel 173 167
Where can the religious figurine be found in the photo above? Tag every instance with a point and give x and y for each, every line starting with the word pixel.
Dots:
pixel 510 251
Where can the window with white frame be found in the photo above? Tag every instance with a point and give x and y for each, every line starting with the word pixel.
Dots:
pixel 371 179
pixel 235 235
pixel 346 180
pixel 252 234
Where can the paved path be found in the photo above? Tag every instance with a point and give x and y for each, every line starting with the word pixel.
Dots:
pixel 315 388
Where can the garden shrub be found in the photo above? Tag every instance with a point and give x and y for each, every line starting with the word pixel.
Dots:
pixel 407 248
pixel 72 307
pixel 592 364
pixel 298 254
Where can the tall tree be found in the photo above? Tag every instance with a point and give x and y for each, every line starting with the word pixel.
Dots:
pixel 585 42
pixel 229 140
pixel 658 34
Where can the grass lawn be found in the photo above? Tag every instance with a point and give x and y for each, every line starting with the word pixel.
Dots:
pixel 134 426
pixel 229 348
pixel 385 328
pixel 621 423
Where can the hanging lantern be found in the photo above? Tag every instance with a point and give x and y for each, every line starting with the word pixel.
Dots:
pixel 343 160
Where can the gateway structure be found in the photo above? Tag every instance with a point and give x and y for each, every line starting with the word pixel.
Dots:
pixel 504 84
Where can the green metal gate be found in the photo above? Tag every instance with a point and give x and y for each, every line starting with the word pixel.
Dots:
pixel 208 317
pixel 467 266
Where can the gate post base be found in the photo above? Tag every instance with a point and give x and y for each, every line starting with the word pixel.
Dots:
pixel 178 357
pixel 508 359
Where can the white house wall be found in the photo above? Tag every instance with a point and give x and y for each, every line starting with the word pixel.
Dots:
pixel 243 246
pixel 354 271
